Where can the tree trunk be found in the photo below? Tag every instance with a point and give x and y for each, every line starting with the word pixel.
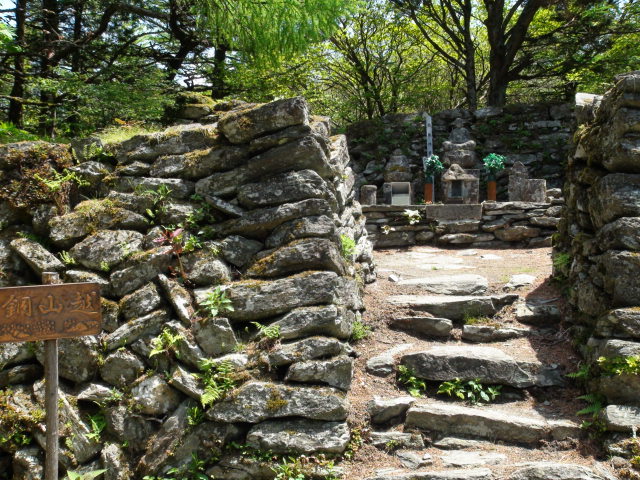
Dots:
pixel 50 32
pixel 218 81
pixel 16 109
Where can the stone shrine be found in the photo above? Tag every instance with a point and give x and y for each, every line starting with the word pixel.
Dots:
pixel 525 189
pixel 460 185
pixel 460 148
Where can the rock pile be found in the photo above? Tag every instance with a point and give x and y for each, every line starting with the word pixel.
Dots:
pixel 231 258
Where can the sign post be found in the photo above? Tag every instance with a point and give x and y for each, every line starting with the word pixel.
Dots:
pixel 49 312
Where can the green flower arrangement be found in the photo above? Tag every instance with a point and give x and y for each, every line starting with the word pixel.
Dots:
pixel 432 166
pixel 493 163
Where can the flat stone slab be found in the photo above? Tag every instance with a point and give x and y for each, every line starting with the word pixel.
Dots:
pixel 299 436
pixel 621 418
pixel 534 313
pixel 464 284
pixel 431 326
pixel 519 280
pixel 465 458
pixel 390 440
pixel 490 365
pixel 555 471
pixel 454 307
pixel 383 364
pixel 455 443
pixel 488 333
pixel 382 410
pixel 490 423
pixel 471 474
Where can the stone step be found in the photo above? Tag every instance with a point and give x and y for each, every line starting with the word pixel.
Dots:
pixel 463 284
pixel 488 364
pixel 430 326
pixel 483 333
pixel 454 307
pixel 489 422
pixel 469 474
pixel 538 313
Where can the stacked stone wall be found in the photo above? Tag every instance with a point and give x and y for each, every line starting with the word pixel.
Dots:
pixel 488 225
pixel 391 148
pixel 598 253
pixel 235 248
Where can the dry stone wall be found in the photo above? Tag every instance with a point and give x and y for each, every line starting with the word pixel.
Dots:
pixel 488 225
pixel 227 252
pixel 599 249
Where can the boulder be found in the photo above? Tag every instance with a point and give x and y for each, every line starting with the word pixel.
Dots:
pixel 129 428
pixel 621 418
pixel 336 372
pixel 186 383
pixel 121 368
pixel 384 410
pixel 239 251
pixel 179 298
pixel 215 336
pixel 614 196
pixel 392 439
pixel 245 124
pixel 37 257
pixel 489 365
pixel 300 255
pixel 203 267
pixel 140 302
pixel 12 353
pixel 28 464
pixel 131 331
pixel 516 233
pixel 489 333
pixel 140 269
pixel 115 463
pixel 430 326
pixel 306 349
pixel 255 402
pixel 328 320
pixel 259 223
pixel 256 300
pixel 621 234
pixel 464 284
pixel 622 271
pixel 199 163
pixel 287 187
pixel 555 471
pixel 299 436
pixel 78 357
pixel 154 396
pixel 319 226
pixel 465 458
pixel 621 322
pixel 80 276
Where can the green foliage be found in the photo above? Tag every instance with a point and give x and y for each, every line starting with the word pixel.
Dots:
pixel 583 372
pixel 415 386
pixel 217 302
pixel 120 133
pixel 412 216
pixel 347 246
pixel 478 320
pixel 9 133
pixel 355 443
pixel 159 197
pixel 98 423
pixel 271 332
pixel 85 475
pixel 217 379
pixel 66 258
pixel 360 331
pixel 290 468
pixel 104 266
pixel 166 342
pixel 59 180
pixel 195 416
pixel 611 366
pixel 493 163
pixel 561 260
pixel 472 391
pixel 432 166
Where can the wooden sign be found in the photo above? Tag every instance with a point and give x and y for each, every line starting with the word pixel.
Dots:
pixel 47 312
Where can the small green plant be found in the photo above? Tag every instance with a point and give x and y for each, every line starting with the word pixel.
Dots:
pixel 195 416
pixel 386 229
pixel 583 372
pixel 191 244
pixel 612 366
pixel 391 445
pixel 347 246
pixel 360 331
pixel 289 469
pixel 355 442
pixel 104 266
pixel 66 258
pixel 98 423
pixel 412 216
pixel 472 391
pixel 217 379
pixel 271 332
pixel 217 302
pixel 594 407
pixel 85 475
pixel 415 386
pixel 561 260
pixel 159 198
pixel 166 342
pixel 493 163
pixel 60 180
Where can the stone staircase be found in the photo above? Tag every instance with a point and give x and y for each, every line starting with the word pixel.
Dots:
pixel 529 433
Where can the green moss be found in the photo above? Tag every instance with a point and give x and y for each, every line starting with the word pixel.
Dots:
pixel 275 401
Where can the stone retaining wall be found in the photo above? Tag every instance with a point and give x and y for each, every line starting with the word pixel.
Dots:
pixel 238 244
pixel 598 255
pixel 488 225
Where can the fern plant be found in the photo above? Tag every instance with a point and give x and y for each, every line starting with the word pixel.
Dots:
pixel 217 379
pixel 272 332
pixel 166 342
